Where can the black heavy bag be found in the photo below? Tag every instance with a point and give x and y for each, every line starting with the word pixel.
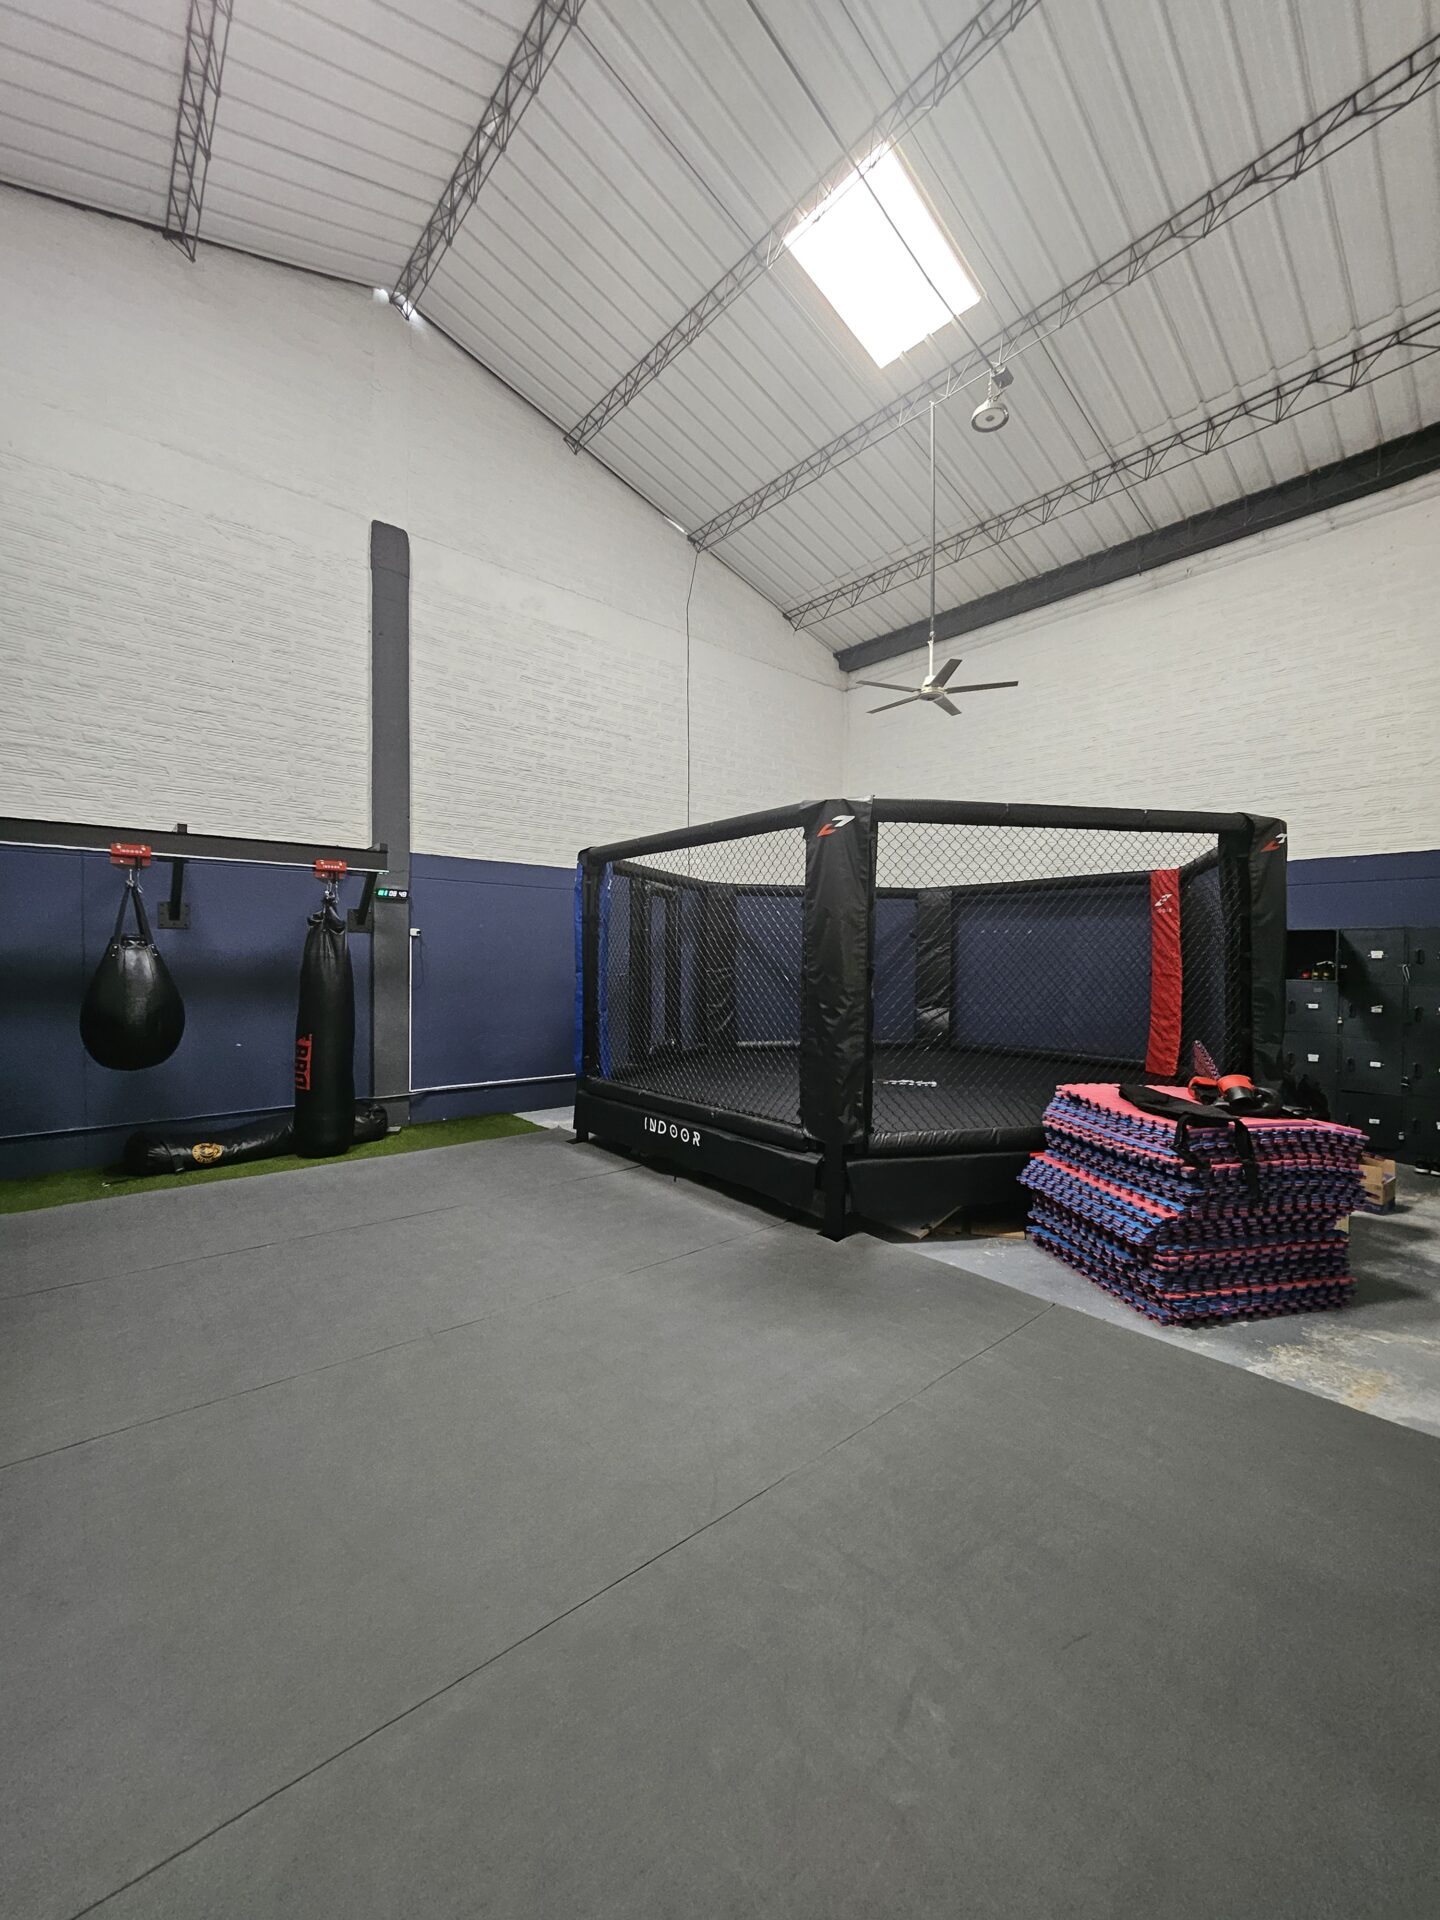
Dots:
pixel 325 1039
pixel 132 1015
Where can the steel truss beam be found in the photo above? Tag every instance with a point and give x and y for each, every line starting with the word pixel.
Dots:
pixel 1354 478
pixel 539 44
pixel 986 30
pixel 1345 120
pixel 1315 387
pixel 206 32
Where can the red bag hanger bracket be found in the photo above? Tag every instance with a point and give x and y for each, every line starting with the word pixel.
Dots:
pixel 129 853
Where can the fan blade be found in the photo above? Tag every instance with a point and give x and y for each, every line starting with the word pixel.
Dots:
pixel 947 706
pixel 985 686
pixel 890 686
pixel 909 698
pixel 942 678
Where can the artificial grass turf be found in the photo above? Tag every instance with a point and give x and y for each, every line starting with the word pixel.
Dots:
pixel 105 1183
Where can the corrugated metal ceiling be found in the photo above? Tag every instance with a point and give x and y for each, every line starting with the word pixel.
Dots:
pixel 664 141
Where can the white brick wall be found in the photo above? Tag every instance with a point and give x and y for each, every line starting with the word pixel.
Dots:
pixel 1296 673
pixel 190 457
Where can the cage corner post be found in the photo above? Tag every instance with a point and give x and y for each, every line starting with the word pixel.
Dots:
pixel 588 878
pixel 835 993
pixel 1266 857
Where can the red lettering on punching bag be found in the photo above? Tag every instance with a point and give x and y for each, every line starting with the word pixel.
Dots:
pixel 304 1046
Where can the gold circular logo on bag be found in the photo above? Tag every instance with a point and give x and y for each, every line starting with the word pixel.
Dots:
pixel 206 1152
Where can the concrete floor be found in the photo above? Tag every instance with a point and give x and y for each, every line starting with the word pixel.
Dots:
pixel 1381 1355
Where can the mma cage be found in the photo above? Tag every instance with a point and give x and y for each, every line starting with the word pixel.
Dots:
pixel 865 1005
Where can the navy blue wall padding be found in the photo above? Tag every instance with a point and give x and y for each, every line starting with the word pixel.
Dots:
pixel 1055 970
pixel 894 990
pixel 770 933
pixel 661 1011
pixel 235 968
pixel 1366 890
pixel 494 983
pixel 692 933
pixel 493 972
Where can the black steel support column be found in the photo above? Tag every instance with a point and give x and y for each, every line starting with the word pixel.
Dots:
pixel 390 809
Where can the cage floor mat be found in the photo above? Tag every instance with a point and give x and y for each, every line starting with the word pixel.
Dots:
pixel 932 1090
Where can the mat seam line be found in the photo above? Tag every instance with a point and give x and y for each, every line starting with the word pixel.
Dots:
pixel 535 1632
pixel 350 1359
pixel 258 1246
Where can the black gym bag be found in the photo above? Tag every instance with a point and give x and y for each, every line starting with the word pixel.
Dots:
pixel 257 1139
pixel 132 1015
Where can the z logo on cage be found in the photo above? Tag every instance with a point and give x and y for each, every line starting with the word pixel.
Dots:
pixel 672 1130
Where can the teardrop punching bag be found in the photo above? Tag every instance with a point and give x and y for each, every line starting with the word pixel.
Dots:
pixel 325 1038
pixel 132 1015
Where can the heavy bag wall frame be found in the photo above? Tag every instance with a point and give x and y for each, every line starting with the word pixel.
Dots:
pixel 865 1005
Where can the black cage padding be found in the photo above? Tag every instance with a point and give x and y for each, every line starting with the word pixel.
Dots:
pixel 903 977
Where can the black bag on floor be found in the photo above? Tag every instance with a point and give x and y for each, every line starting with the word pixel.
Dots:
pixel 325 1039
pixel 132 1015
pixel 258 1139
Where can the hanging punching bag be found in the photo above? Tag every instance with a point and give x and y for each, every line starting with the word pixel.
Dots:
pixel 325 1039
pixel 132 1015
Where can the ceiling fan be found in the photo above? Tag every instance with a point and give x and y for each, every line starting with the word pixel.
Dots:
pixel 935 687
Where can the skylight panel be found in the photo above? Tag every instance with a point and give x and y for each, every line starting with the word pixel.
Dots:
pixel 876 252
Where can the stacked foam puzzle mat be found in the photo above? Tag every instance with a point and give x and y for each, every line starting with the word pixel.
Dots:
pixel 1183 1231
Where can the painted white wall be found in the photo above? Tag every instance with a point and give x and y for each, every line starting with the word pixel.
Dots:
pixel 1295 673
pixel 190 458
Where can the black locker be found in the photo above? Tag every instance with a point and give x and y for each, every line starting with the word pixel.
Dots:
pixel 1374 1023
pixel 1422 1132
pixel 1420 1040
pixel 1311 1005
pixel 1312 1056
pixel 1372 964
pixel 1370 1067
pixel 1422 960
pixel 1382 1116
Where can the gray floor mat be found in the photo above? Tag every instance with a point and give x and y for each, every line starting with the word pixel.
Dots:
pixel 98 1239
pixel 206 1605
pixel 85 1360
pixel 1087 1629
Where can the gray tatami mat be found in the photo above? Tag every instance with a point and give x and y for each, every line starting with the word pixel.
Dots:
pixel 707 1569
pixel 62 1246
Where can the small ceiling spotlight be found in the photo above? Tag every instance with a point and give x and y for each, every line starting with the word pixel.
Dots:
pixel 992 412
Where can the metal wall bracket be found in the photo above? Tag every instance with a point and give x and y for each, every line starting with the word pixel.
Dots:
pixel 174 914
